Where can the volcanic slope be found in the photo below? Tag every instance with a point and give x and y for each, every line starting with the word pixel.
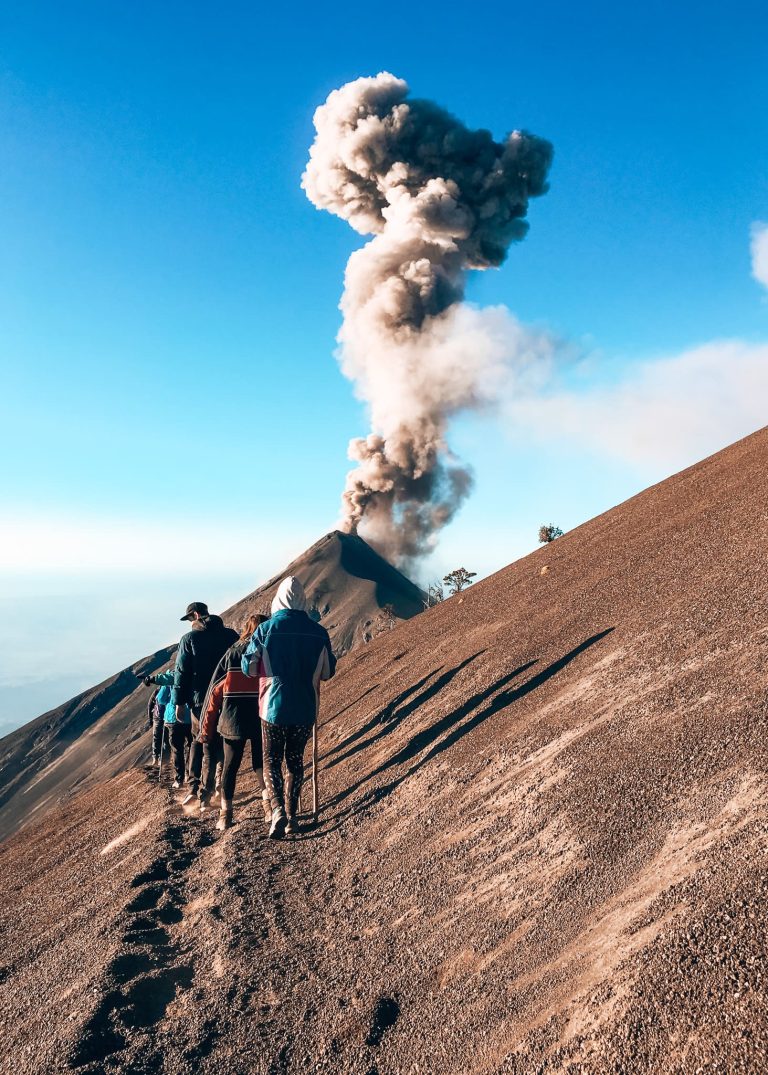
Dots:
pixel 542 846
pixel 101 732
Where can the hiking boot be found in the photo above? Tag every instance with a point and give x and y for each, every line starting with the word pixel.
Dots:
pixel 292 826
pixel 279 821
pixel 225 816
pixel 205 803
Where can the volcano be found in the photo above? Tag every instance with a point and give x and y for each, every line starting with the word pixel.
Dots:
pixel 541 846
pixel 100 732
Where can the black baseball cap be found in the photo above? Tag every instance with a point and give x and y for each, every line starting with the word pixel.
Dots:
pixel 197 606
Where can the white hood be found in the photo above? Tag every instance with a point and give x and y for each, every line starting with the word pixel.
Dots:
pixel 290 594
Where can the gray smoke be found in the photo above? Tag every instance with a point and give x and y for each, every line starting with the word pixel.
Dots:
pixel 440 199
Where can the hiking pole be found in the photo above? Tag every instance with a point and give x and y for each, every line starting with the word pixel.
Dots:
pixel 314 773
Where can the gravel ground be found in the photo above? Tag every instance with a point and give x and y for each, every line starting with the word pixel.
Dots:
pixel 542 846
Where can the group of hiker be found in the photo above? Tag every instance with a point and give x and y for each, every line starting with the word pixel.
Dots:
pixel 227 690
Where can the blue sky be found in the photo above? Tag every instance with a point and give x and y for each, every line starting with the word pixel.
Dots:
pixel 172 418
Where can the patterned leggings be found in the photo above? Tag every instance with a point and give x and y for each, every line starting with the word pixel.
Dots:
pixel 284 743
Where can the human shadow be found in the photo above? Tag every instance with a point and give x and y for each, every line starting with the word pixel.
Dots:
pixel 421 739
pixel 429 739
pixel 349 706
pixel 376 718
pixel 395 713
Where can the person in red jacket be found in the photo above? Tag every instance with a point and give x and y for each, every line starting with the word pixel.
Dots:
pixel 231 711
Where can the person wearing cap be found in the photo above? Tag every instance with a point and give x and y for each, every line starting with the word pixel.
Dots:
pixel 200 650
pixel 290 654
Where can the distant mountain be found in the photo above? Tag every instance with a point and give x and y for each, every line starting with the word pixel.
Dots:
pixel 101 731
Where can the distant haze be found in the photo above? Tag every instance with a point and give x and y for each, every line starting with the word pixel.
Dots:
pixel 25 701
pixel 60 635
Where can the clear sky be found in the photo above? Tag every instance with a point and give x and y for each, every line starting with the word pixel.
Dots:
pixel 173 424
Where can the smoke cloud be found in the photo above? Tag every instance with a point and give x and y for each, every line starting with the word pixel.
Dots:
pixel 759 247
pixel 439 199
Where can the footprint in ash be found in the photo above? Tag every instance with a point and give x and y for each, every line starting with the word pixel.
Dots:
pixel 151 969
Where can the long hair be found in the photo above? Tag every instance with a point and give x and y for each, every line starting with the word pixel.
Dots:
pixel 251 624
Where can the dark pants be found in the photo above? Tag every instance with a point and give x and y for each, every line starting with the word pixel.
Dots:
pixel 181 735
pixel 158 726
pixel 213 753
pixel 195 763
pixel 233 755
pixel 284 743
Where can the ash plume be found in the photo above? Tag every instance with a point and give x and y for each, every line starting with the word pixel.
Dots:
pixel 439 199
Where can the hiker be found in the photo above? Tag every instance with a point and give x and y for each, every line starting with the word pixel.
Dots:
pixel 178 729
pixel 155 722
pixel 291 655
pixel 231 712
pixel 199 652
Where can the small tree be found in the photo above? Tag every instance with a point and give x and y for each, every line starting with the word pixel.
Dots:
pixel 435 594
pixel 458 580
pixel 549 533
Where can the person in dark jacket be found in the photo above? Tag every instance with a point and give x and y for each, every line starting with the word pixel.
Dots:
pixel 291 655
pixel 231 711
pixel 199 652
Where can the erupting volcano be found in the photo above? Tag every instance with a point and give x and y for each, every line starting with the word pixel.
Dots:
pixel 440 199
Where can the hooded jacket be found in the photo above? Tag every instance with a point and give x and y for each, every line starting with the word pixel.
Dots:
pixel 199 652
pixel 291 655
pixel 232 704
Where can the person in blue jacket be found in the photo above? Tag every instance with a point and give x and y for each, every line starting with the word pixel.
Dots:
pixel 291 655
pixel 177 722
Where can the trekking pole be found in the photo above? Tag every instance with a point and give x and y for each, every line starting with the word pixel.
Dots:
pixel 314 773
